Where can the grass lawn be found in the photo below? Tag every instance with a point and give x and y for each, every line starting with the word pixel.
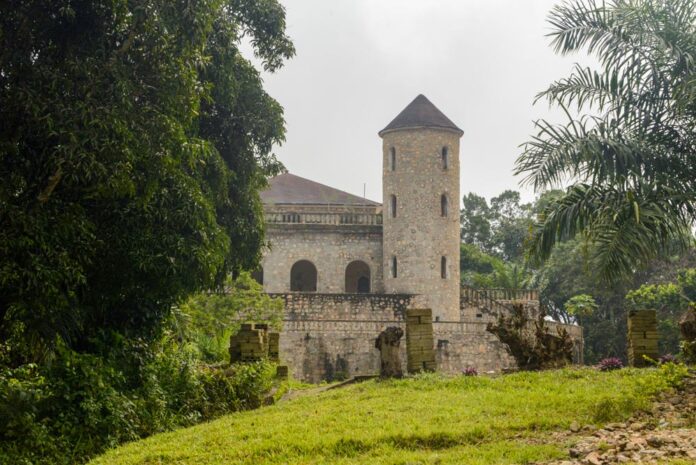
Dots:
pixel 429 419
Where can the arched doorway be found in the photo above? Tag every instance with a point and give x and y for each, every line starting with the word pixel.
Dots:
pixel 358 277
pixel 303 277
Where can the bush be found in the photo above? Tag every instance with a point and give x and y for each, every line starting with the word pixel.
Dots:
pixel 81 404
pixel 611 363
pixel 65 412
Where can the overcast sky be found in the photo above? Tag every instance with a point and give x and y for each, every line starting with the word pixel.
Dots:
pixel 360 62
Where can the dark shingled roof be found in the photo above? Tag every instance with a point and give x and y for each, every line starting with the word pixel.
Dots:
pixel 421 113
pixel 290 189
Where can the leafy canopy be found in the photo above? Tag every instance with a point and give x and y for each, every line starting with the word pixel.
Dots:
pixel 630 156
pixel 135 138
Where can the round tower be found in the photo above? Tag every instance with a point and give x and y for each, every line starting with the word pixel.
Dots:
pixel 421 207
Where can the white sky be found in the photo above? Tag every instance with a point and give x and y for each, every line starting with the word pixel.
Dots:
pixel 360 62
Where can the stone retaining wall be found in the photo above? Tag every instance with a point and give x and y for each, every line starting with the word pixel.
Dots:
pixel 331 336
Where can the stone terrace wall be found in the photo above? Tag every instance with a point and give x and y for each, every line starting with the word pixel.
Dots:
pixel 468 344
pixel 332 336
pixel 317 306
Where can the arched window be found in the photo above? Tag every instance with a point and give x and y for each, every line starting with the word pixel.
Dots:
pixel 444 205
pixel 392 206
pixel 303 277
pixel 443 267
pixel 357 277
pixel 394 269
pixel 444 157
pixel 392 159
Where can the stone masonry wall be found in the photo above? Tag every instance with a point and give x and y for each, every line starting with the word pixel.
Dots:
pixel 419 235
pixel 329 247
pixel 331 336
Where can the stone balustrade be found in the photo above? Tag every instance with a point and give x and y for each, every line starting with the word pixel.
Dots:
pixel 368 219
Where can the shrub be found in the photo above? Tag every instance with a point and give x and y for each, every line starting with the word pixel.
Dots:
pixel 611 363
pixel 673 374
pixel 64 413
pixel 82 404
pixel 470 371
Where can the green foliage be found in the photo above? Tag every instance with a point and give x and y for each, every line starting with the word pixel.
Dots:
pixel 670 301
pixel 481 270
pixel 629 153
pixel 673 374
pixel 687 282
pixel 656 297
pixel 82 404
pixel 208 319
pixel 453 420
pixel 499 229
pixel 492 241
pixel 569 271
pixel 581 305
pixel 474 260
pixel 135 138
pixel 475 221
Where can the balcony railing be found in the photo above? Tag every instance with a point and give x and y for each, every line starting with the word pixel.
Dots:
pixel 500 294
pixel 324 218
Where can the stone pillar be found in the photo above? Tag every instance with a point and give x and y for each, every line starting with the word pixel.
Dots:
pixel 419 340
pixel 642 337
pixel 250 344
pixel 388 343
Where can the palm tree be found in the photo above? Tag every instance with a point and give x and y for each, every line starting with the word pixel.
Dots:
pixel 630 158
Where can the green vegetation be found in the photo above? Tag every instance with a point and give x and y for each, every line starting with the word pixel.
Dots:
pixel 429 418
pixel 135 139
pixel 570 288
pixel 627 147
pixel 78 405
pixel 208 319
pixel 81 404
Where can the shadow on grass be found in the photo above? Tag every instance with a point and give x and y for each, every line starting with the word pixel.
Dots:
pixel 414 442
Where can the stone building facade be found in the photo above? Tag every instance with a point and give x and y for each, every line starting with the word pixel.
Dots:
pixel 348 267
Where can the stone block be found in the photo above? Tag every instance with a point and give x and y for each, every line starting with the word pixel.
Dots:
pixel 643 337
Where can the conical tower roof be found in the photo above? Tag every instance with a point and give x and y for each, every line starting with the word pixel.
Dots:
pixel 421 113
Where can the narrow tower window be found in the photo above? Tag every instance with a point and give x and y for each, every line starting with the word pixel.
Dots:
pixel 392 206
pixel 392 159
pixel 394 270
pixel 444 205
pixel 445 161
pixel 443 267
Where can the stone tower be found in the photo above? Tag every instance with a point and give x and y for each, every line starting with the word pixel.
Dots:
pixel 421 207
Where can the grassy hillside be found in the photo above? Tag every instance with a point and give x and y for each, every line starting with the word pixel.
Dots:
pixel 426 419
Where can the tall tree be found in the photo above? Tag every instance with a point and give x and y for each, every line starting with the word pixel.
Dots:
pixel 135 138
pixel 475 221
pixel 630 157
